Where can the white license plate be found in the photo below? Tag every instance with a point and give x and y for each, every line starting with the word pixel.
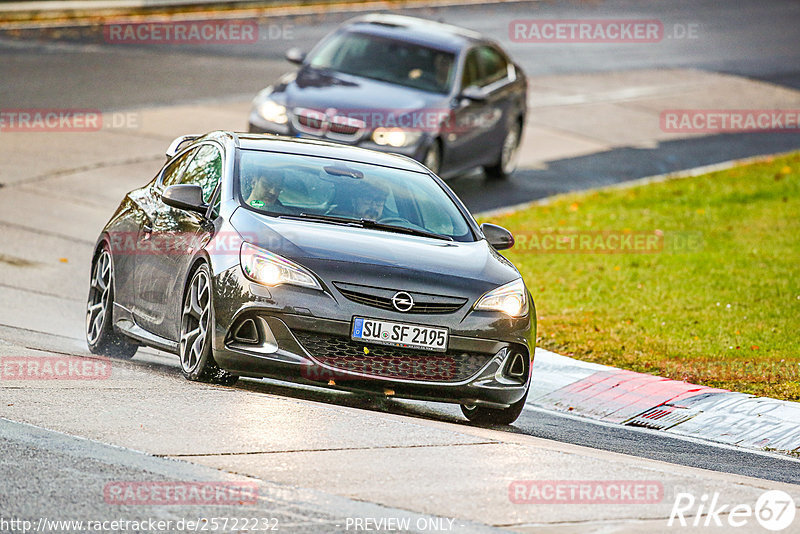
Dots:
pixel 412 336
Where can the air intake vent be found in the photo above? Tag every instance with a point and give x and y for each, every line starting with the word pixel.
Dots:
pixel 516 366
pixel 247 332
pixel 391 362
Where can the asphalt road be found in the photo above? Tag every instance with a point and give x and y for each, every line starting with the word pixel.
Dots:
pixel 34 458
pixel 542 423
pixel 755 38
pixel 321 458
pixel 74 67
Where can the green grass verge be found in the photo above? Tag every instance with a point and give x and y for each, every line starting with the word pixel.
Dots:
pixel 715 297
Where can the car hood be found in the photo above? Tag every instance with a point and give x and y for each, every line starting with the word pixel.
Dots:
pixel 322 90
pixel 378 258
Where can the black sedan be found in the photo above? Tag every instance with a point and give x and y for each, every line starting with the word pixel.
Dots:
pixel 440 94
pixel 263 256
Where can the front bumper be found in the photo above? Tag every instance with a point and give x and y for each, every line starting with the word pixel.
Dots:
pixel 256 336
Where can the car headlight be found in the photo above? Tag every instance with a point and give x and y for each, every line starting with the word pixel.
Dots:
pixel 267 268
pixel 272 111
pixel 395 137
pixel 511 299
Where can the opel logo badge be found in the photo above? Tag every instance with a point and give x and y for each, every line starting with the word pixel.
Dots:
pixel 402 301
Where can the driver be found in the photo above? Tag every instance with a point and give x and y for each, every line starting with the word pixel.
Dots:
pixel 442 65
pixel 266 187
pixel 370 202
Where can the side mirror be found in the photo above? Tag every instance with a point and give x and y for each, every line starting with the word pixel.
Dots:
pixel 185 197
pixel 295 55
pixel 497 236
pixel 474 93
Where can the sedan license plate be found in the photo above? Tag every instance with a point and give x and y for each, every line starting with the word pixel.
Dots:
pixel 412 336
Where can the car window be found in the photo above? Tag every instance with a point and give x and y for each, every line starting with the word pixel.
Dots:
pixel 174 171
pixel 471 74
pixel 484 65
pixel 388 60
pixel 433 218
pixel 204 170
pixel 491 65
pixel 288 184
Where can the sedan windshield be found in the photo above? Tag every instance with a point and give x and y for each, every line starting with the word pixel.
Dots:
pixel 331 191
pixel 388 60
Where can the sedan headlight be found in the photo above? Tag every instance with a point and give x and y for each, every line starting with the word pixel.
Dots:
pixel 395 137
pixel 272 111
pixel 511 299
pixel 267 268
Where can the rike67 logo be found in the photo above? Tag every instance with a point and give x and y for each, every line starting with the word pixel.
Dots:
pixel 774 510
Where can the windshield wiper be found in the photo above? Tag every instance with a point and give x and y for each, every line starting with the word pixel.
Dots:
pixel 324 218
pixel 366 223
pixel 369 223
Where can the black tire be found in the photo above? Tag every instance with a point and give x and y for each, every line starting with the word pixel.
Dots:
pixel 194 348
pixel 433 157
pixel 100 335
pixel 506 163
pixel 481 415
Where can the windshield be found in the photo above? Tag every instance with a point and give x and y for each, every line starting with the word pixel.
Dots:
pixel 341 192
pixel 388 60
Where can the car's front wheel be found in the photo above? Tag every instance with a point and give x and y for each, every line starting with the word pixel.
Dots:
pixel 100 335
pixel 507 163
pixel 433 157
pixel 197 362
pixel 494 416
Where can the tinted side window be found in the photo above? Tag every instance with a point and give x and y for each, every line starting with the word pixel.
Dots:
pixel 471 73
pixel 204 170
pixel 174 171
pixel 492 65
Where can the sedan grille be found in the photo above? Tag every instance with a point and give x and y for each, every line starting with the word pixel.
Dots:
pixel 344 126
pixel 338 127
pixel 311 124
pixel 391 362
pixel 382 298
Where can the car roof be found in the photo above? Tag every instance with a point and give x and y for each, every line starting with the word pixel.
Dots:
pixel 421 31
pixel 312 147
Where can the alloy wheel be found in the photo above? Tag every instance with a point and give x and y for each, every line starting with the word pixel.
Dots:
pixel 433 158
pixel 508 157
pixel 99 296
pixel 195 321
